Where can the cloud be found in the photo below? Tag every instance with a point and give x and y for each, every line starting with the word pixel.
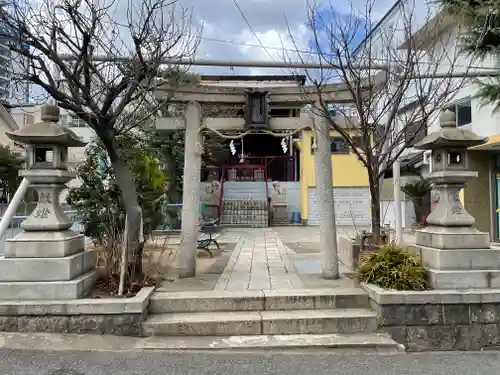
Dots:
pixel 280 25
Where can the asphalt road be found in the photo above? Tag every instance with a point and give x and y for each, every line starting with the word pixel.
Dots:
pixel 22 362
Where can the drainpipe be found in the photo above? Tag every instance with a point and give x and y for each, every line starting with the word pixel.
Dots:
pixel 396 177
pixel 13 205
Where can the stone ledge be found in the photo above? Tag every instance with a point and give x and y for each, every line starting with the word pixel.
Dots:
pixel 439 319
pixel 122 317
pixel 48 290
pixel 85 306
pixel 44 244
pixel 47 269
pixel 442 296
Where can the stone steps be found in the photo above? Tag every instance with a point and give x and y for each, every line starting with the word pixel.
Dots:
pixel 309 318
pixel 297 299
pixel 337 342
pixel 243 220
pixel 250 213
pixel 281 222
pixel 228 323
pixel 244 204
pixel 363 342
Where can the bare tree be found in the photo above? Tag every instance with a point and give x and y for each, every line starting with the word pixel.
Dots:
pixel 111 96
pixel 388 110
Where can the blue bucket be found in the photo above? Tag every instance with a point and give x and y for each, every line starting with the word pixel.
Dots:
pixel 295 219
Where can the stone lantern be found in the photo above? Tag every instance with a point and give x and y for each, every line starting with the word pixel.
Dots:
pixel 457 255
pixel 47 260
pixel 47 171
pixel 450 170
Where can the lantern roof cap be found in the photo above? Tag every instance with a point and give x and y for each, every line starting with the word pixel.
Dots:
pixel 449 135
pixel 48 131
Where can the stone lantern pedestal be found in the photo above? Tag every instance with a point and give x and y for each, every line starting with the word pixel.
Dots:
pixel 457 254
pixel 47 260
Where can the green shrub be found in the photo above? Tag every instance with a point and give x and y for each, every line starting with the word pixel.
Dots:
pixel 392 267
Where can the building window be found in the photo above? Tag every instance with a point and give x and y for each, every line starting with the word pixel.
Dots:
pixel 76 122
pixel 338 145
pixel 463 111
pixel 63 120
pixel 342 110
pixel 414 133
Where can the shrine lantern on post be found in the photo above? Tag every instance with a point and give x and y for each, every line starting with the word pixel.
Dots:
pixel 450 170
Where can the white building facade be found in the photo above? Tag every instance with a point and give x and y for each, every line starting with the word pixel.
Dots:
pixel 435 37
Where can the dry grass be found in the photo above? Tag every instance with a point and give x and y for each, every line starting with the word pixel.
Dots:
pixel 159 259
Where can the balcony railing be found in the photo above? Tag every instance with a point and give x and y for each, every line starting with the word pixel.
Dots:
pixel 255 168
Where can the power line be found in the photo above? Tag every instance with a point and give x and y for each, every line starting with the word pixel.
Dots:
pixel 253 31
pixel 241 44
pixel 233 63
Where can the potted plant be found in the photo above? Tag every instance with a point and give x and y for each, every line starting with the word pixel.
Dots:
pixel 419 194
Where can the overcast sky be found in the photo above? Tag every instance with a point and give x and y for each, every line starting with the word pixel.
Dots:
pixel 225 31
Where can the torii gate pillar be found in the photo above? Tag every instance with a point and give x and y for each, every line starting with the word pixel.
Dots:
pixel 191 184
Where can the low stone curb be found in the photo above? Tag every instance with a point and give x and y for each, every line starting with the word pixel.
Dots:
pixel 369 342
pixel 439 319
pixel 115 316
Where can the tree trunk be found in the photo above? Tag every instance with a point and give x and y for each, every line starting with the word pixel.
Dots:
pixel 375 210
pixel 422 209
pixel 133 211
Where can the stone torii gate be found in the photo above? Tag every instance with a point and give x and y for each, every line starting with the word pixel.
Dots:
pixel 251 98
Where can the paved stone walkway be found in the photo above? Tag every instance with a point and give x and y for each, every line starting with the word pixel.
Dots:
pixel 259 262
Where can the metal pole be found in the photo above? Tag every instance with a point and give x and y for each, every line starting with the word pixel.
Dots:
pixel 121 285
pixel 13 205
pixel 396 176
pixel 236 63
pixel 56 76
pixel 291 64
pixel 492 73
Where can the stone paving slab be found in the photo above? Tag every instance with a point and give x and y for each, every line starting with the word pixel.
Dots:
pixel 259 262
pixel 277 258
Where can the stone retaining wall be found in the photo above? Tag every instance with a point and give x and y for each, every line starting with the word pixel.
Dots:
pixel 119 325
pixel 439 319
pixel 113 316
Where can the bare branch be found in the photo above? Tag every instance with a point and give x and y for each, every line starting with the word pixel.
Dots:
pixel 390 110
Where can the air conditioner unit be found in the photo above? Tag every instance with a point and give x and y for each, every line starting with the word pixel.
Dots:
pixel 428 159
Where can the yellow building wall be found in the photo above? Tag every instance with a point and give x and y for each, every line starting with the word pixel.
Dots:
pixel 347 170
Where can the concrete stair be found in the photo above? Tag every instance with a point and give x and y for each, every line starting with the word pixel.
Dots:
pixel 329 318
pixel 249 213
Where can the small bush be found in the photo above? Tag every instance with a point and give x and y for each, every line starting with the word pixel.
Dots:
pixel 392 267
